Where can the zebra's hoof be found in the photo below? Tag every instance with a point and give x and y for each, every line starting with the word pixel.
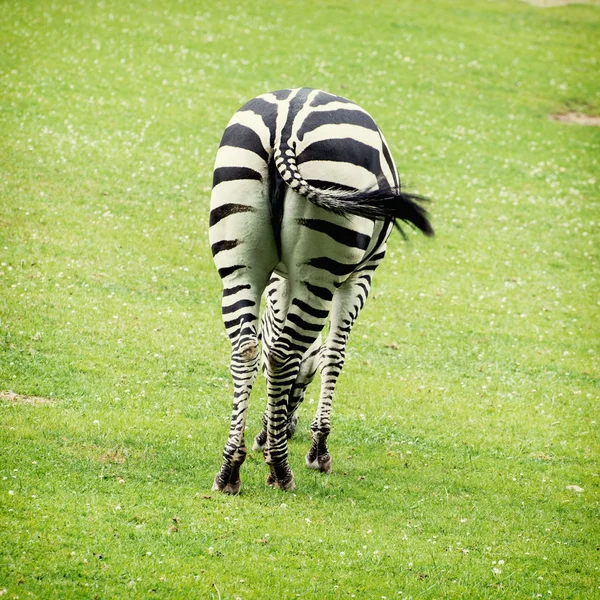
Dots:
pixel 233 488
pixel 228 487
pixel 321 463
pixel 287 485
pixel 325 463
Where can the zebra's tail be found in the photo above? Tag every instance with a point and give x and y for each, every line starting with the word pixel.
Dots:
pixel 373 204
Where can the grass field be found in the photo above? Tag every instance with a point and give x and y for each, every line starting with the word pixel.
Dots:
pixel 468 407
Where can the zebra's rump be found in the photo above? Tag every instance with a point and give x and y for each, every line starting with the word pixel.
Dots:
pixel 328 134
pixel 322 146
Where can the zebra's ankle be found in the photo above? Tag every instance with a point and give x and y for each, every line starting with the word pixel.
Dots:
pixel 259 441
pixel 318 457
pixel 281 477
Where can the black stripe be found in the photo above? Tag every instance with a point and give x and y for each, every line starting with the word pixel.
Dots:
pixel 282 94
pixel 225 271
pixel 246 331
pixel 236 289
pixel 219 213
pixel 323 98
pixel 300 322
pixel 296 104
pixel 341 116
pixel 333 266
pixel 266 111
pixel 318 291
pixel 380 240
pixel 245 318
pixel 301 347
pixel 343 150
pixel 297 337
pixel 364 288
pixel 390 161
pixel 223 245
pixel 237 305
pixel 277 192
pixel 240 136
pixel 241 369
pixel 309 310
pixel 340 234
pixel 329 185
pixel 222 174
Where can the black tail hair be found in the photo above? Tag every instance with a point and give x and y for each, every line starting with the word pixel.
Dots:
pixel 373 204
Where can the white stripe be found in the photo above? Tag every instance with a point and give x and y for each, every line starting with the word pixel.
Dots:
pixel 338 172
pixel 230 156
pixel 254 122
pixel 246 191
pixel 336 132
pixel 339 105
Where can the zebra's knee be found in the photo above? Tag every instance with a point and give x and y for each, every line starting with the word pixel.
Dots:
pixel 246 351
pixel 276 360
pixel 249 349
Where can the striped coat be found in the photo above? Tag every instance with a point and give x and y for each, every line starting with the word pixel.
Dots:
pixel 305 195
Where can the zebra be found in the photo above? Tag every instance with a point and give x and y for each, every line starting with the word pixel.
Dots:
pixel 305 194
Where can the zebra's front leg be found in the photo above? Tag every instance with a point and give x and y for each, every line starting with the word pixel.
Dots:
pixel 305 376
pixel 308 369
pixel 244 366
pixel 282 367
pixel 296 398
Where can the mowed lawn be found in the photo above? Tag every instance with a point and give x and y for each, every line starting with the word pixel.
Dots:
pixel 465 426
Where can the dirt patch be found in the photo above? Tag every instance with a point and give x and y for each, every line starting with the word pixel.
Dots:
pixel 576 117
pixel 98 454
pixel 551 3
pixel 20 399
pixel 115 457
pixel 540 456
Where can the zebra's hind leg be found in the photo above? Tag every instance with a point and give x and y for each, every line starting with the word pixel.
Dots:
pixel 237 230
pixel 241 302
pixel 244 367
pixel 347 303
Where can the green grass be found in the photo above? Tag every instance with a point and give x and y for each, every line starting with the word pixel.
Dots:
pixel 469 401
